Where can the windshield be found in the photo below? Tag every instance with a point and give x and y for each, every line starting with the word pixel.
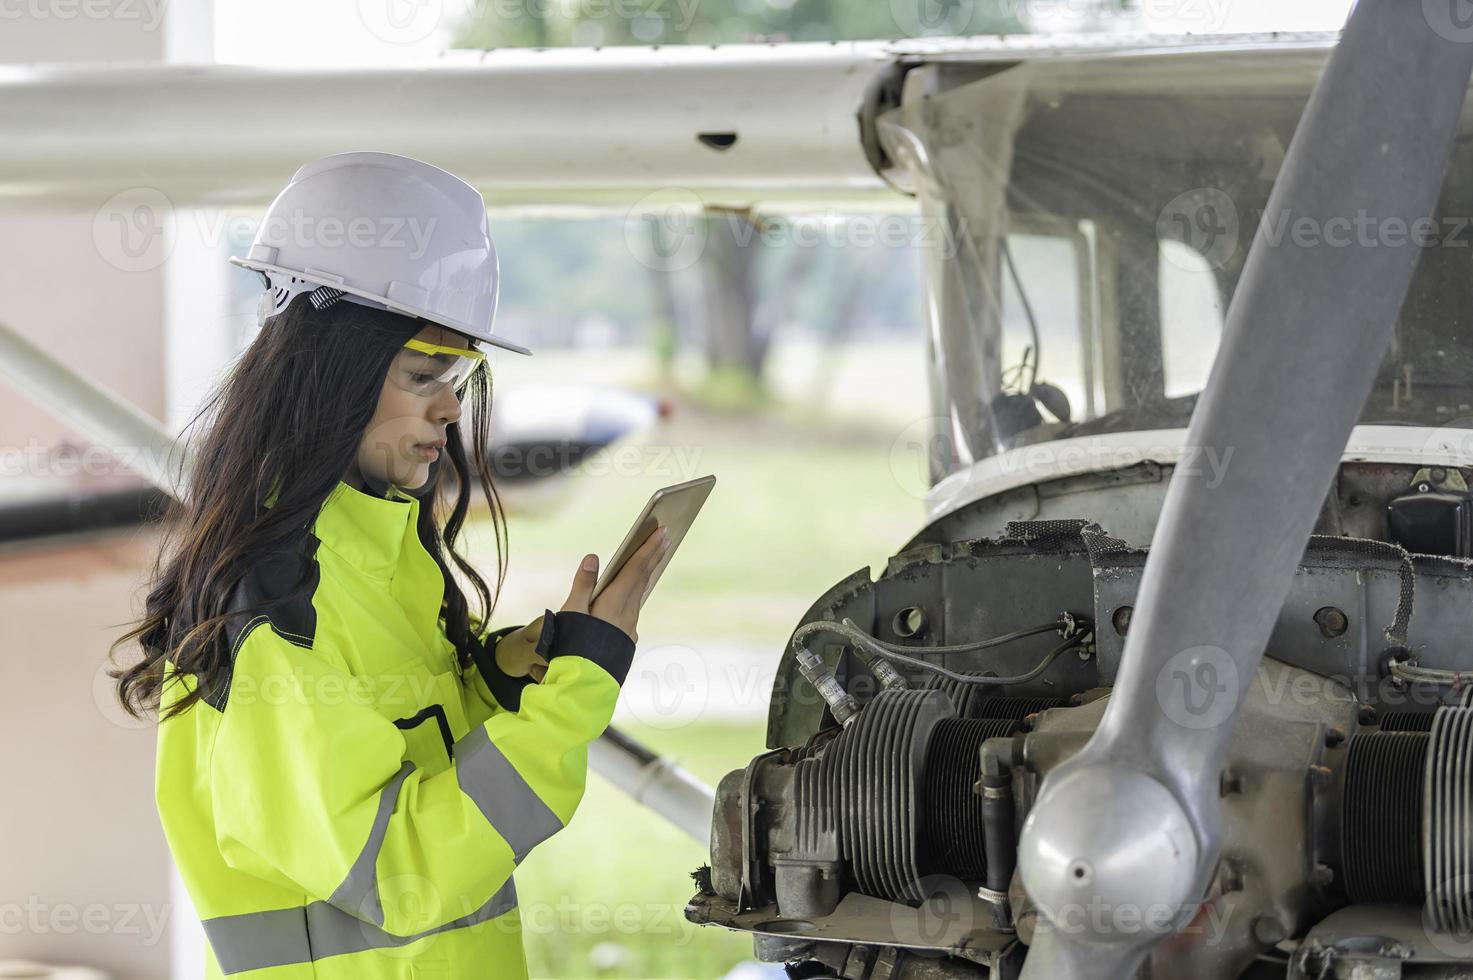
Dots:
pixel 1096 215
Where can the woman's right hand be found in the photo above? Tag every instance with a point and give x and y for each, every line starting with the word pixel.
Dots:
pixel 619 602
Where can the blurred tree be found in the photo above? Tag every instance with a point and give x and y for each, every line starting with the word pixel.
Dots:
pixel 559 269
pixel 543 23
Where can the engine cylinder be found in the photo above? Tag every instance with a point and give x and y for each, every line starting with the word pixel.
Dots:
pixel 1447 850
pixel 979 701
pixel 952 835
pixel 1381 817
pixel 1406 721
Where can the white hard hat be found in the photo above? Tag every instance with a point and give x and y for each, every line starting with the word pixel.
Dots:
pixel 385 231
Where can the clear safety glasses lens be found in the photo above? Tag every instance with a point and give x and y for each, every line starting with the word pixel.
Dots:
pixel 425 369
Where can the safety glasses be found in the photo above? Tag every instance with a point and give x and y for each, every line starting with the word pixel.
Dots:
pixel 424 368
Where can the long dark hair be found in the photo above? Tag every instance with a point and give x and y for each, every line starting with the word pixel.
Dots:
pixel 287 421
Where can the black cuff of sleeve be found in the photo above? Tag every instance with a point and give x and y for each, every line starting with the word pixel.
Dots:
pixel 582 635
pixel 507 690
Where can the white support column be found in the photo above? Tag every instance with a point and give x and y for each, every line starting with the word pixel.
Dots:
pixel 81 836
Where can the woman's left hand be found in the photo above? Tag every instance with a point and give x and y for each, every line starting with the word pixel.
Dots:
pixel 517 655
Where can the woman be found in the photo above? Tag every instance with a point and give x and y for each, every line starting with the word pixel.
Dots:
pixel 350 765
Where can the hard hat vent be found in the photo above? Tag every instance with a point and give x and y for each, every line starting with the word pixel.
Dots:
pixel 324 296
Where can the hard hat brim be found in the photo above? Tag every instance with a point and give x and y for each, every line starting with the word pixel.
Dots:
pixel 387 303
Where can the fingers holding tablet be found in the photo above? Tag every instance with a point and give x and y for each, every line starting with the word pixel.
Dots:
pixel 651 542
pixel 620 602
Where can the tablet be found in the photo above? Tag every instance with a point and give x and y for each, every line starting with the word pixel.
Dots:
pixel 675 508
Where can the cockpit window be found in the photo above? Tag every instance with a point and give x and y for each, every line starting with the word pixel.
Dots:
pixel 1103 210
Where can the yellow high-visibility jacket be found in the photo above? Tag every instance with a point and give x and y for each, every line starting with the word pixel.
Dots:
pixel 347 805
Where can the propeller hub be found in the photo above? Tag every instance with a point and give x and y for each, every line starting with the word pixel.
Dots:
pixel 1108 855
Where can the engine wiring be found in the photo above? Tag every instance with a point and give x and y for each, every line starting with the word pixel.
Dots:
pixel 1033 332
pixel 1408 671
pixel 1076 631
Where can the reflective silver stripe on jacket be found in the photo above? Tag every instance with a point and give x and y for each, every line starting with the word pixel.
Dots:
pixel 358 894
pixel 351 920
pixel 282 937
pixel 503 796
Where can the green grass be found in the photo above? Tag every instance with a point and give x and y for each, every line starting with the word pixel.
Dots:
pixel 795 509
pixel 605 897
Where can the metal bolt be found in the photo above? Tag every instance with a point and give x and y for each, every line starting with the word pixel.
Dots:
pixel 1331 621
pixel 1269 930
pixel 1322 876
pixel 1366 715
pixel 1334 736
pixel 1121 619
pixel 1230 878
pixel 1320 776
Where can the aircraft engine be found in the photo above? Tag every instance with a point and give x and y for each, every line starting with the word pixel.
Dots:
pixel 877 838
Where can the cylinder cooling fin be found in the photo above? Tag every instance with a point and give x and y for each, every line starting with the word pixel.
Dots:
pixel 1381 817
pixel 980 701
pixel 952 826
pixel 869 783
pixel 893 798
pixel 1447 851
pixel 1406 820
pixel 1406 721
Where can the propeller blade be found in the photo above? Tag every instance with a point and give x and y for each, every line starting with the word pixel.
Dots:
pixel 1132 823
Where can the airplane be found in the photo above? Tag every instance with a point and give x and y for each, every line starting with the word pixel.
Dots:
pixel 1169 682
